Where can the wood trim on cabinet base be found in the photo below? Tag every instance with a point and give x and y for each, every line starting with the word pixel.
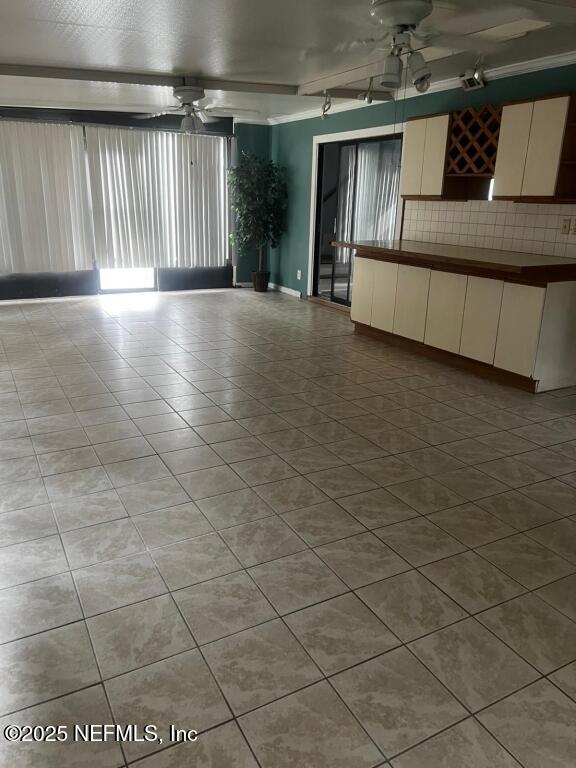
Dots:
pixel 431 197
pixel 450 358
pixel 531 199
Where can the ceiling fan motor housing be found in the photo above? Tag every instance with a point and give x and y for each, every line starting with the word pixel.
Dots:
pixel 188 94
pixel 400 13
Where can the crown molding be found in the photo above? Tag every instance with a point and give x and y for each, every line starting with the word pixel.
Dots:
pixel 533 65
pixel 253 120
pixel 496 73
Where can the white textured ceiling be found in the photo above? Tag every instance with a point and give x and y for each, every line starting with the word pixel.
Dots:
pixel 274 41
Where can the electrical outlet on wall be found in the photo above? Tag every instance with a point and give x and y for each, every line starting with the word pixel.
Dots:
pixel 298 274
pixel 565 228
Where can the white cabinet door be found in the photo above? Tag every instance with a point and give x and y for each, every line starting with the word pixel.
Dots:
pixel 384 295
pixel 434 162
pixel 445 310
pixel 545 146
pixel 481 316
pixel 412 157
pixel 512 149
pixel 519 328
pixel 411 302
pixel 363 281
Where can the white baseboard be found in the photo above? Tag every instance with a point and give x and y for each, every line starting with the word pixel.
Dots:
pixel 274 287
pixel 284 289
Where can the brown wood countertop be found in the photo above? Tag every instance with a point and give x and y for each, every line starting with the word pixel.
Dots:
pixel 513 266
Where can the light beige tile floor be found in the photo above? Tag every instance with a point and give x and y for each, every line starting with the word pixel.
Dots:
pixel 229 512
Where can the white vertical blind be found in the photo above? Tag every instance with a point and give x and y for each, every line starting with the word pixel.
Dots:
pixel 159 198
pixel 45 219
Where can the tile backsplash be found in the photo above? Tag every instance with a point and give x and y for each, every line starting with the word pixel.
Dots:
pixel 527 227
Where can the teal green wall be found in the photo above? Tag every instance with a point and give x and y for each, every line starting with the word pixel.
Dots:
pixel 291 145
pixel 253 139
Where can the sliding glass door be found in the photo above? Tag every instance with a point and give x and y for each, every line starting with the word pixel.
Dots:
pixel 357 198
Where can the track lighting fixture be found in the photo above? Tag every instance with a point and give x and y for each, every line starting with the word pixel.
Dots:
pixel 327 106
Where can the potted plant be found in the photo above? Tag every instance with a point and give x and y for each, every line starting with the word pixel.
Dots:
pixel 259 199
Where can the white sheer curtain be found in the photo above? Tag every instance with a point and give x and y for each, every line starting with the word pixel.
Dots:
pixel 378 174
pixel 45 219
pixel 159 198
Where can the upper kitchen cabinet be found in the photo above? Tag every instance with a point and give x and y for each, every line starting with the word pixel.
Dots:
pixel 451 156
pixel 512 149
pixel 545 147
pixel 566 182
pixel 424 156
pixel 434 158
pixel 413 157
pixel 531 148
pixel 472 149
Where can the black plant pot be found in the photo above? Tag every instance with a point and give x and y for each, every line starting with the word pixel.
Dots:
pixel 260 281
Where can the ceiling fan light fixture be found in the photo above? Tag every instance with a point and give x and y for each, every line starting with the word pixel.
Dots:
pixel 391 77
pixel 419 71
pixel 191 124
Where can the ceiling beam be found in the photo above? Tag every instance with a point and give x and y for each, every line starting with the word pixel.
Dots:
pixel 316 88
pixel 93 75
pixel 137 78
pixel 341 79
pixel 213 84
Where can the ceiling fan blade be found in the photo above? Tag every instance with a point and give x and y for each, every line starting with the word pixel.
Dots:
pixel 150 115
pixel 209 117
pixel 367 42
pixel 230 111
pixel 433 37
pixel 554 11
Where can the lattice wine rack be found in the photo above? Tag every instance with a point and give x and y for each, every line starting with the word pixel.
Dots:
pixel 473 141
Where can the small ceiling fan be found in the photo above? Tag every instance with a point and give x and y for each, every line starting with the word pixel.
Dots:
pixel 195 116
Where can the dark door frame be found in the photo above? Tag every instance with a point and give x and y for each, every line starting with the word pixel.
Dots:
pixel 355 142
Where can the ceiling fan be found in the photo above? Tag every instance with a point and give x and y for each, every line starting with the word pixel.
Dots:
pixel 406 29
pixel 195 116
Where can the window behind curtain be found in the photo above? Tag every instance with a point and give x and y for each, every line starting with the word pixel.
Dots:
pixel 159 198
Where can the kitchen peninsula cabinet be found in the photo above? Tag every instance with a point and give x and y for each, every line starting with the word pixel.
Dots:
pixel 504 314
